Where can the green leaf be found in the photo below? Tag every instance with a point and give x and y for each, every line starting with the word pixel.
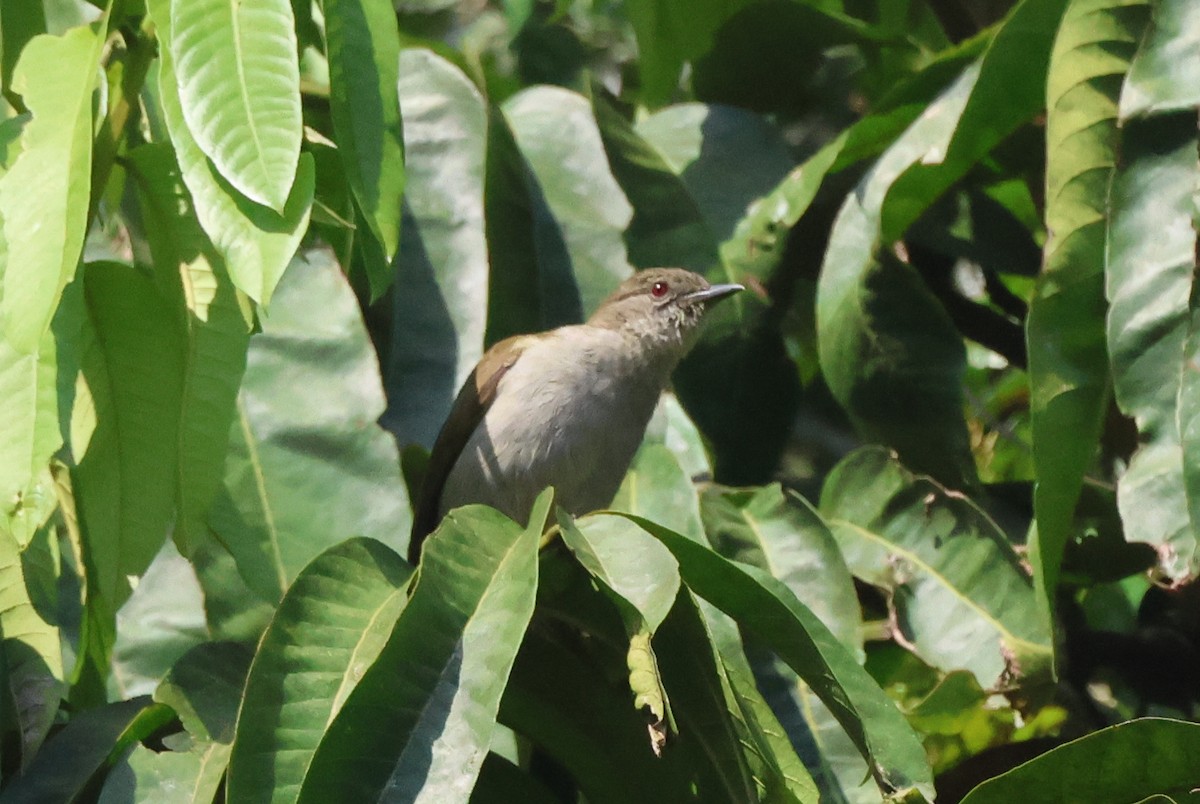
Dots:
pixel 961 597
pixel 44 196
pixel 363 47
pixel 780 533
pixel 1068 371
pixel 673 32
pixel 134 369
pixel 238 81
pixel 32 652
pixel 441 298
pixel 419 723
pixel 1148 282
pixel 888 350
pixel 329 628
pixel 32 406
pixel 638 571
pixel 256 242
pixel 1131 761
pixel 19 22
pixel 673 428
pixel 217 332
pixel 307 465
pixel 769 610
pixel 65 765
pixel 558 136
pixel 656 487
pixel 1165 73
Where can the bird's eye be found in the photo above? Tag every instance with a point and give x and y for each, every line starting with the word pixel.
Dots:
pixel 659 289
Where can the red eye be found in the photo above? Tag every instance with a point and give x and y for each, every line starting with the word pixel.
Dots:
pixel 659 289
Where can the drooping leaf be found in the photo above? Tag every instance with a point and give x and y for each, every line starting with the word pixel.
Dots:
pixel 440 309
pixel 66 763
pixel 216 327
pixel 238 81
pixel 888 350
pixel 960 594
pixel 768 609
pixel 307 464
pixel 44 196
pixel 1068 372
pixel 329 628
pixel 421 719
pixel 557 135
pixel 1148 284
pixel 256 241
pixel 363 46
pixel 1134 761
pixel 203 689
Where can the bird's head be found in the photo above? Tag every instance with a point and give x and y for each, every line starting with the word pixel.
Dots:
pixel 662 307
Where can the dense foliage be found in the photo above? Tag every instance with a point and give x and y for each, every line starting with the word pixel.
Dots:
pixel 919 517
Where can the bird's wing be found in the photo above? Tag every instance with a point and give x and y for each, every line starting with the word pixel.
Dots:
pixel 469 407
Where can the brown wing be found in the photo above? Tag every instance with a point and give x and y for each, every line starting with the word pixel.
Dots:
pixel 470 405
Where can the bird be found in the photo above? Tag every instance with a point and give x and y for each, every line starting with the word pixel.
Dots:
pixel 565 408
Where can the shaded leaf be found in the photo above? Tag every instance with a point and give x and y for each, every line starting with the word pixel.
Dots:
pixel 1127 762
pixel 307 465
pixel 1148 282
pixel 440 306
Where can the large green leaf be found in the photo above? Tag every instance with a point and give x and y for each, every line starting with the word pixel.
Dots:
pixel 92 740
pixel 1136 761
pixel 1068 371
pixel 126 481
pixel 307 465
pixel 217 332
pixel 363 47
pixel 769 610
pixel 961 596
pixel 558 136
pixel 44 197
pixel 420 721
pixel 238 80
pixel 888 350
pixel 657 488
pixel 329 628
pixel 1165 73
pixel 439 311
pixel 32 652
pixel 780 533
pixel 256 242
pixel 1148 283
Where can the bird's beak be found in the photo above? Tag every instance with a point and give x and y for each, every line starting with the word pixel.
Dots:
pixel 711 293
